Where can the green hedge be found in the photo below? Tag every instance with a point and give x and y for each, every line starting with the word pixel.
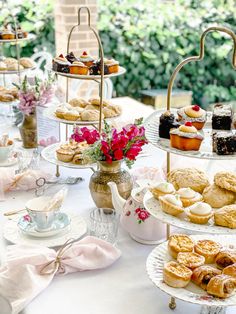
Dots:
pixel 34 17
pixel 150 38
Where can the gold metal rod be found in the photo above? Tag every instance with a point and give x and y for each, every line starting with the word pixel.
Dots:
pixel 17 48
pixel 89 15
pixel 57 171
pixel 172 304
pixel 200 57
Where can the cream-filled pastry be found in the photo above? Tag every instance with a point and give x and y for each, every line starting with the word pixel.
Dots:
pixel 193 114
pixel 171 204
pixel 189 196
pixel 162 188
pixel 200 213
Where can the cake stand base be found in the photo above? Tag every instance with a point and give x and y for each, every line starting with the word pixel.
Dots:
pixel 213 310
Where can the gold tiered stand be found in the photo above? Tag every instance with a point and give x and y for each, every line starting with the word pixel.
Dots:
pixel 150 125
pixel 98 78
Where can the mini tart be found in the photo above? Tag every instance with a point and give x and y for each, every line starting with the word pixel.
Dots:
pixel 86 59
pixel 78 68
pixel 161 189
pixel 71 115
pixel 176 275
pixel 193 114
pixel 188 196
pixel 179 243
pixel 65 155
pixel 112 65
pixel 207 248
pixel 200 213
pixel 171 204
pixel 190 259
pixel 60 113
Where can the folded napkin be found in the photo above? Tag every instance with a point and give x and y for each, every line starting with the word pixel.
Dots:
pixel 30 269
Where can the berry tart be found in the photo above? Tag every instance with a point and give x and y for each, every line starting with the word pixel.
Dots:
pixel 167 122
pixel 186 137
pixel 194 114
pixel 86 59
pixel 222 117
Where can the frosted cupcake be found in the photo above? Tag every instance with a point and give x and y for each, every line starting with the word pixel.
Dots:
pixel 200 213
pixel 188 196
pixel 86 59
pixel 161 189
pixel 193 114
pixel 112 65
pixel 171 204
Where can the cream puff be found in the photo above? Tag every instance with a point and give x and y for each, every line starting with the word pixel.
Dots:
pixel 161 189
pixel 200 213
pixel 193 114
pixel 171 204
pixel 186 137
pixel 188 196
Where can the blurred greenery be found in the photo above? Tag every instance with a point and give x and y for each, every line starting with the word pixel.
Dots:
pixel 34 16
pixel 149 38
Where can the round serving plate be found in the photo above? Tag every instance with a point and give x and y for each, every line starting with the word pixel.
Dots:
pixel 16 71
pixel 10 103
pixel 181 221
pixel 192 293
pixel 29 37
pixel 50 114
pixel 88 77
pixel 13 234
pixel 49 154
pixel 205 152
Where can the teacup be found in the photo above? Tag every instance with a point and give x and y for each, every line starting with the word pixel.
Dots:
pixel 5 152
pixel 43 219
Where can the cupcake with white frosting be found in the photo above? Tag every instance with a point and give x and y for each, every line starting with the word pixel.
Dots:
pixel 86 59
pixel 162 188
pixel 171 204
pixel 189 196
pixel 194 114
pixel 200 213
pixel 112 65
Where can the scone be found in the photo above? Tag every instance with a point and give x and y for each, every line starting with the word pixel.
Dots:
pixel 78 102
pixel 90 115
pixel 71 115
pixel 112 111
pixel 176 275
pixel 179 243
pixel 190 259
pixel 226 180
pixel 200 213
pixel 188 196
pixel 221 286
pixel 162 188
pixel 225 258
pixel 218 197
pixel 3 66
pixel 226 216
pixel 171 204
pixel 230 270
pixel 27 62
pixel 207 248
pixel 96 102
pixel 203 274
pixel 6 97
pixel 188 178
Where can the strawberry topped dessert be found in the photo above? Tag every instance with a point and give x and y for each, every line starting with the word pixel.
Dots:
pixel 86 59
pixel 194 114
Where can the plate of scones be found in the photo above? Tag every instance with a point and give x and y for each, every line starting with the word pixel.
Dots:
pixel 11 65
pixel 192 131
pixel 8 95
pixel 82 111
pixel 190 201
pixel 197 269
pixel 85 66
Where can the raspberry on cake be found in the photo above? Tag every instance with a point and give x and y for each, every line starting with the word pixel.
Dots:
pixel 193 114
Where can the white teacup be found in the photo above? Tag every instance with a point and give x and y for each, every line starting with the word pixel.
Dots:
pixel 43 219
pixel 5 152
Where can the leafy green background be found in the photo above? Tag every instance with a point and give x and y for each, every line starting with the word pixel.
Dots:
pixel 150 38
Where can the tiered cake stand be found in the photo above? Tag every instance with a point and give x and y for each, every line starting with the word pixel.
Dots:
pixel 210 305
pixel 50 150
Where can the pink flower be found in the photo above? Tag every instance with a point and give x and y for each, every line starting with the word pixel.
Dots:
pixel 27 218
pixel 133 152
pixel 128 213
pixel 137 210
pixel 108 159
pixel 105 147
pixel 118 154
pixel 143 215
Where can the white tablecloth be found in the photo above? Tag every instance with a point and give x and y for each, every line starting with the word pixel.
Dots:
pixel 124 288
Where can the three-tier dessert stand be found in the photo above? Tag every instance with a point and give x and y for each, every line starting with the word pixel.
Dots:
pixel 151 125
pixel 49 151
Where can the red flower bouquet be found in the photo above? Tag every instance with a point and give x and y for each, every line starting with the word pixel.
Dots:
pixel 113 145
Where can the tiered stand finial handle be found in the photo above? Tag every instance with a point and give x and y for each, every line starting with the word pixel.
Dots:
pixel 101 57
pixel 200 56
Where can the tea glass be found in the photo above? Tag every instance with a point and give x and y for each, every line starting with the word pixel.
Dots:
pixel 104 224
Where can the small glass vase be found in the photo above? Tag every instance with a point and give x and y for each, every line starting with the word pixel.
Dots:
pixel 100 191
pixel 28 131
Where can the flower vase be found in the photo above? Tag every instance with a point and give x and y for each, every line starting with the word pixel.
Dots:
pixel 28 131
pixel 100 191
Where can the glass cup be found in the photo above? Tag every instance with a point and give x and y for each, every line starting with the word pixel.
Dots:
pixel 104 224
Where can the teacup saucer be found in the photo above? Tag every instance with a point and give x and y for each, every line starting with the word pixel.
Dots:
pixel 8 162
pixel 28 227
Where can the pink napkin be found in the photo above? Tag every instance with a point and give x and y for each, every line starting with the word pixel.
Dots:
pixel 30 269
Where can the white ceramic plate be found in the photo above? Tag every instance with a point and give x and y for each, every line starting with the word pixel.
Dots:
pixel 181 221
pixel 205 152
pixel 50 114
pixel 88 77
pixel 9 162
pixel 49 154
pixel 191 293
pixel 29 37
pixel 78 228
pixel 16 71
